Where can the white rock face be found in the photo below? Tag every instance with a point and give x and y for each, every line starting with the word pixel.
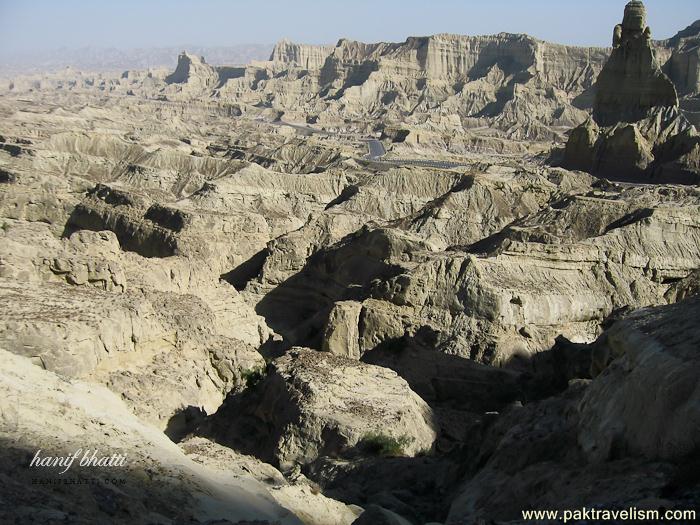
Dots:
pixel 511 293
pixel 301 55
pixel 83 309
pixel 40 411
pixel 298 494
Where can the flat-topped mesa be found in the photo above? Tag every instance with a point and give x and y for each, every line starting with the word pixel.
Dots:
pixel 632 82
pixel 302 55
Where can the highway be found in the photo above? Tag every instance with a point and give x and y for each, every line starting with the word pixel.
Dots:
pixel 376 149
pixel 440 164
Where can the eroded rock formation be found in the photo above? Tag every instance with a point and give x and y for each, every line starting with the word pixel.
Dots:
pixel 616 419
pixel 632 83
pixel 449 334
pixel 637 132
pixel 194 72
pixel 684 65
pixel 306 56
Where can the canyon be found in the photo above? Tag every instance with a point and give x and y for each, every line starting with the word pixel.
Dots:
pixel 440 281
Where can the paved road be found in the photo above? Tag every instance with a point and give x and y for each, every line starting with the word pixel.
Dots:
pixel 305 130
pixel 376 149
pixel 422 163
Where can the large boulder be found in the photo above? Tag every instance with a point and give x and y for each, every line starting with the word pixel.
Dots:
pixel 580 147
pixel 625 152
pixel 312 404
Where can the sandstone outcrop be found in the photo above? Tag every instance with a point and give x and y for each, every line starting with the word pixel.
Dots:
pixel 529 459
pixel 631 426
pixel 654 379
pixel 314 404
pixel 632 83
pixel 80 308
pixel 193 73
pixel 296 493
pixel 341 335
pixel 684 67
pixel 416 489
pixel 506 295
pixel 301 55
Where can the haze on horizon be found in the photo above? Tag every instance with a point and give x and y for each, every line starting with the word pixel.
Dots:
pixel 44 25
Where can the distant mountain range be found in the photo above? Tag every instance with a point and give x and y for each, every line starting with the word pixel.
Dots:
pixel 111 59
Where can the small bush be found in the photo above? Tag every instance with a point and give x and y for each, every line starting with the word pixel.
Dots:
pixel 424 452
pixel 252 376
pixel 380 444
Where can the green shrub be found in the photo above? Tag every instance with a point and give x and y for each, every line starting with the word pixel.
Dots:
pixel 252 376
pixel 380 444
pixel 424 452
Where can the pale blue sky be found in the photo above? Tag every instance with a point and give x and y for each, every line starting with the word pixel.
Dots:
pixel 31 25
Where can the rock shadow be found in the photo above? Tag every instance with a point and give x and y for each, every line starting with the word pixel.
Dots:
pixel 184 422
pixel 298 308
pixel 248 270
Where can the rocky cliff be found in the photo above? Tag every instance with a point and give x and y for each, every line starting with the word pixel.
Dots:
pixel 193 74
pixel 524 87
pixel 301 55
pixel 477 78
pixel 683 67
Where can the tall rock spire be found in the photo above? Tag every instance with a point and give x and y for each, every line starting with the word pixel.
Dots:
pixel 637 132
pixel 632 82
pixel 635 20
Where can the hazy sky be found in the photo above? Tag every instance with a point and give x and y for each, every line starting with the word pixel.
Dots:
pixel 44 24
